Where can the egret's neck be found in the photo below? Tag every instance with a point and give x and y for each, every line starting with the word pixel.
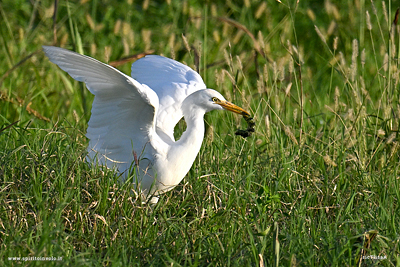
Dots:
pixel 194 134
pixel 183 153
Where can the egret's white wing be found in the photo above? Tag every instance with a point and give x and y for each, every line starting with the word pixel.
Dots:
pixel 173 82
pixel 123 110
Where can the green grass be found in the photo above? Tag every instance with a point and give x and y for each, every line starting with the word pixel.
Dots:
pixel 319 177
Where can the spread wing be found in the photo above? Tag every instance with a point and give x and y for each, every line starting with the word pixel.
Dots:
pixel 173 82
pixel 123 110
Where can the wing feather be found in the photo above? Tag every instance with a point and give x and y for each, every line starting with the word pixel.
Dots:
pixel 173 82
pixel 123 110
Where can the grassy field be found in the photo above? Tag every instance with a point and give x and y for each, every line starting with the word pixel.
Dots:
pixel 318 184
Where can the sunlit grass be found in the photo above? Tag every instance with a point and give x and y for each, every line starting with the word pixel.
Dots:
pixel 317 184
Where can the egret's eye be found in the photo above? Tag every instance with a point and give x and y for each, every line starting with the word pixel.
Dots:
pixel 214 99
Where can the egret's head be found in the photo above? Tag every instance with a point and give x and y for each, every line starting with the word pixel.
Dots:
pixel 219 102
pixel 229 106
pixel 209 99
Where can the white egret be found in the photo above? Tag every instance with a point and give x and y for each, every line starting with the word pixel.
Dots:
pixel 133 118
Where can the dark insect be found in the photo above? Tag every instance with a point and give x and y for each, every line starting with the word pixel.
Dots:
pixel 250 126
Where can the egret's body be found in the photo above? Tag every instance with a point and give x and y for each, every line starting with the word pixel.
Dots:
pixel 133 118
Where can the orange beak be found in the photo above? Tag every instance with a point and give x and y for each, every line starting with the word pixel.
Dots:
pixel 232 107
